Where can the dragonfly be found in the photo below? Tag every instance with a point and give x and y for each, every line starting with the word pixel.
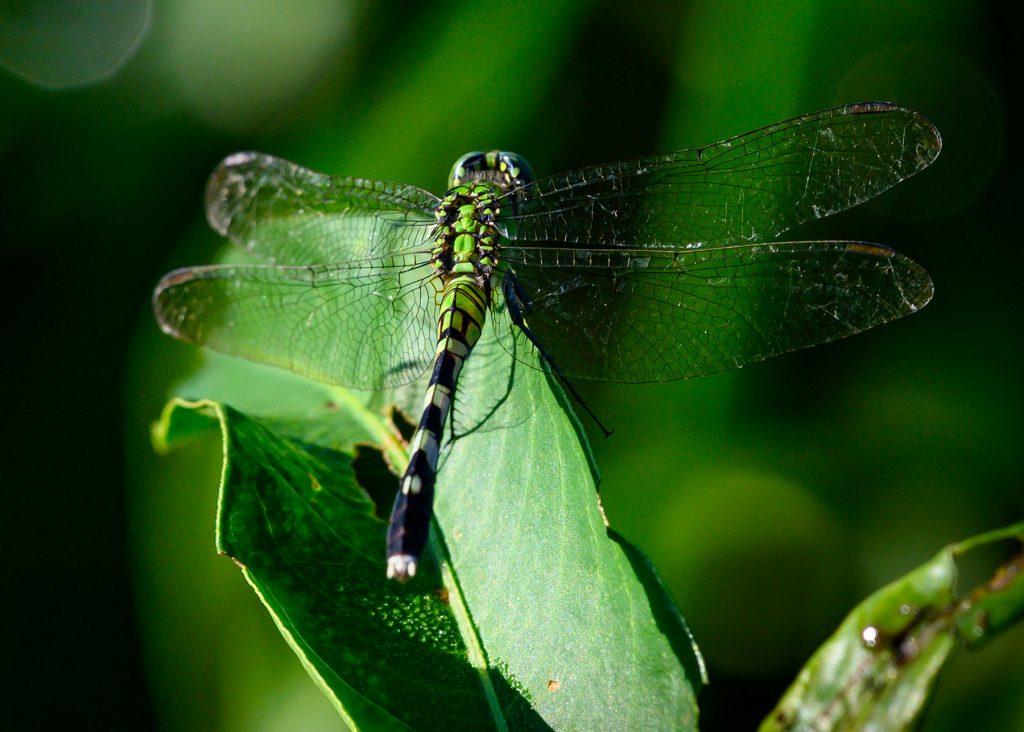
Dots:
pixel 651 270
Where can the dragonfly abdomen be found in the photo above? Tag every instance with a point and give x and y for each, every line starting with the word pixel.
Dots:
pixel 463 309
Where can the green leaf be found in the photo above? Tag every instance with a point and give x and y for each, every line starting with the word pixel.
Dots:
pixel 308 542
pixel 879 668
pixel 569 611
pixel 528 613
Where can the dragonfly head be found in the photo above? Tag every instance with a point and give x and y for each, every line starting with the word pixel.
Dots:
pixel 508 171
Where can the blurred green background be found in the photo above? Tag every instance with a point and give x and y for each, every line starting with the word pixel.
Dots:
pixel 772 499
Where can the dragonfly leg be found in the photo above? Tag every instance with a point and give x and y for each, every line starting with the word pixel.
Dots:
pixel 515 301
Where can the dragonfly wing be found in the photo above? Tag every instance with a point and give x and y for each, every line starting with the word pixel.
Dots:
pixel 289 215
pixel 366 325
pixel 749 188
pixel 659 315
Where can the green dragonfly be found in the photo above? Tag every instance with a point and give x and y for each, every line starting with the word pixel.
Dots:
pixel 650 270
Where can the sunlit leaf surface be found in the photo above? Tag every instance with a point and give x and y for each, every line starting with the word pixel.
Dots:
pixel 529 612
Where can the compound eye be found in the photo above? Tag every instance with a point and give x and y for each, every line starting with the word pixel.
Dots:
pixel 518 170
pixel 467 168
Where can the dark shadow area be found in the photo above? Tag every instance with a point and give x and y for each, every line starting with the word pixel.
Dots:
pixel 662 606
pixel 373 476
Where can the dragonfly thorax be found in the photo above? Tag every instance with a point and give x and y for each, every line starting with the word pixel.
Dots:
pixel 466 240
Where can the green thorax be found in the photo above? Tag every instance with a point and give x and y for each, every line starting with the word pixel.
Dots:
pixel 466 238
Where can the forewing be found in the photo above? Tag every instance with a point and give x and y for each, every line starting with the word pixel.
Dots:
pixel 746 189
pixel 657 315
pixel 289 215
pixel 366 325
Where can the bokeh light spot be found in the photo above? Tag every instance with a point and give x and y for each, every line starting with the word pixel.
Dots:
pixel 240 63
pixel 760 547
pixel 58 44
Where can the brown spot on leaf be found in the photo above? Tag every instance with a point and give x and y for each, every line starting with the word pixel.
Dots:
pixel 553 685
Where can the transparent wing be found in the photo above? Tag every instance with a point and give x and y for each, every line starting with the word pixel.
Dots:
pixel 657 315
pixel 746 189
pixel 367 325
pixel 286 214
